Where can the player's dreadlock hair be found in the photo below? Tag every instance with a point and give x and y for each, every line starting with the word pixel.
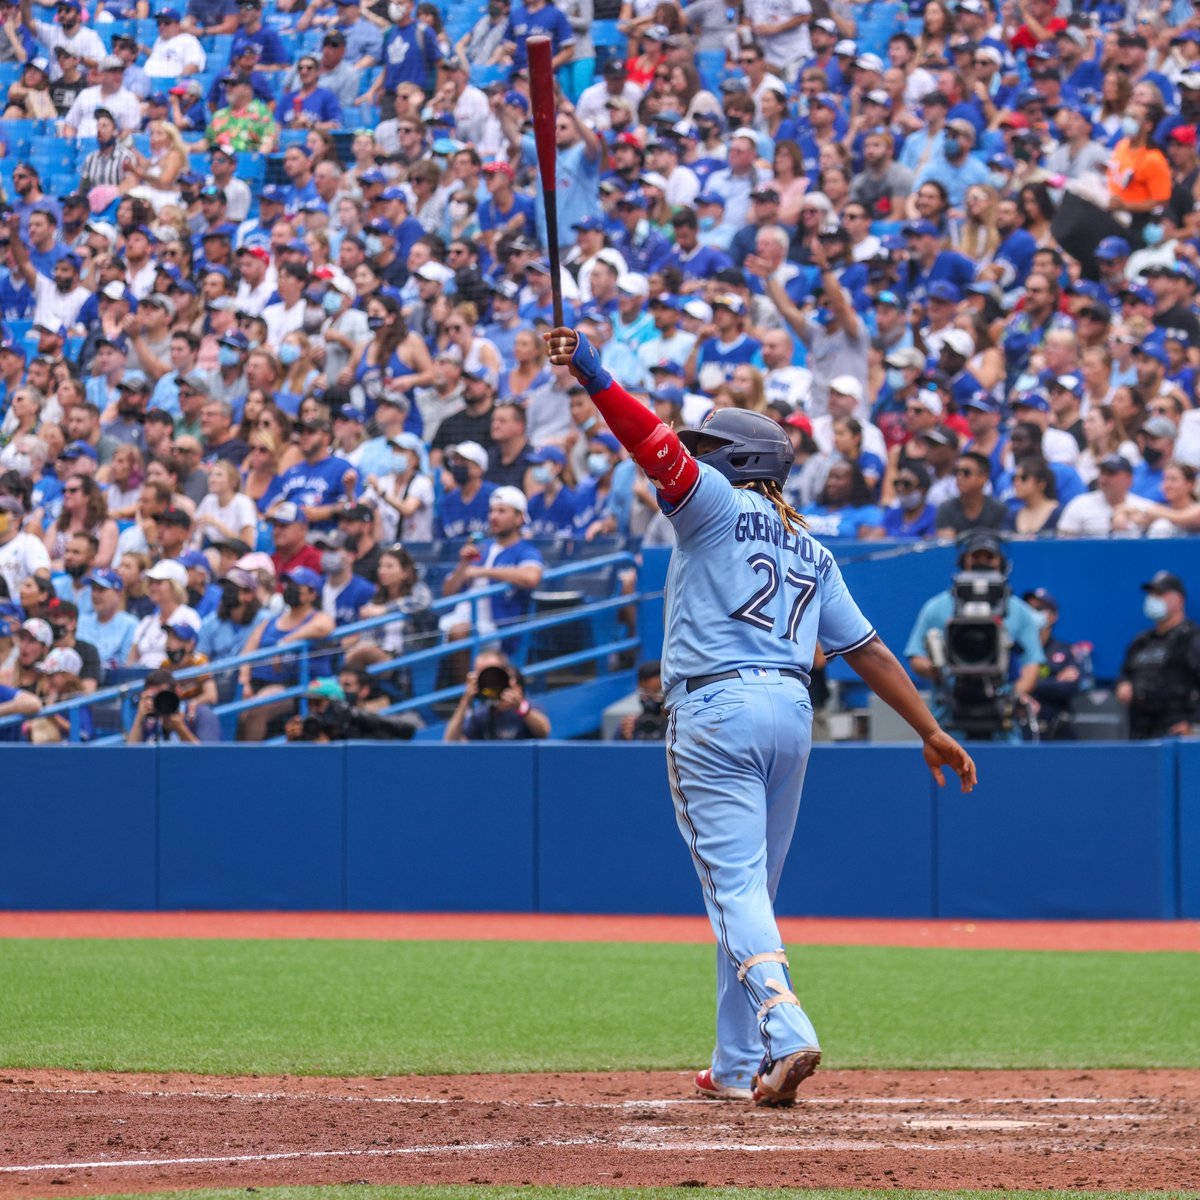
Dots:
pixel 793 522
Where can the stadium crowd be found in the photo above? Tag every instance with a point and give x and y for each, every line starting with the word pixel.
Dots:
pixel 273 281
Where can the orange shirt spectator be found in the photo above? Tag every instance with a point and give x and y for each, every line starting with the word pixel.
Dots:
pixel 1138 176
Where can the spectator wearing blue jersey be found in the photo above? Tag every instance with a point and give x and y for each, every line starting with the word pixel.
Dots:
pixel 552 507
pixel 697 263
pixel 912 516
pixel 319 483
pixel 343 593
pixel 538 17
pixel 505 213
pixel 604 500
pixel 271 53
pixel 410 51
pixel 928 262
pixel 464 511
pixel 309 106
pixel 713 358
pixel 844 508
pixel 506 558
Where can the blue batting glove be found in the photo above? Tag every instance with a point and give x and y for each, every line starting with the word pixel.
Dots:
pixel 586 364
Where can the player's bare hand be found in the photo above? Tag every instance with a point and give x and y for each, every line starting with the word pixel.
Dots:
pixel 941 750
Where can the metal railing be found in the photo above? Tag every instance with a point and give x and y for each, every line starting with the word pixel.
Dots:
pixel 303 653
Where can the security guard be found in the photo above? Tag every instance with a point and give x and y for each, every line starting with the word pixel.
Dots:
pixel 1066 672
pixel 1160 677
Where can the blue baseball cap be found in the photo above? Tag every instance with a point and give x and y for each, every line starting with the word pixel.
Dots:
pixel 348 412
pixel 167 14
pixel 634 198
pixel 666 366
pixel 1002 162
pixel 102 577
pixel 589 225
pixel 943 289
pixel 1139 294
pixel 183 630
pixel 594 312
pixel 158 98
pixel 1153 350
pixel 1036 400
pixel 709 198
pixel 195 560
pixel 375 175
pixel 274 194
pixel 920 229
pixel 306 577
pixel 980 401
pixel 607 441
pixel 393 193
pixel 235 339
pixel 548 454
pixel 668 395
pixel 890 298
pixel 518 100
pixel 1111 248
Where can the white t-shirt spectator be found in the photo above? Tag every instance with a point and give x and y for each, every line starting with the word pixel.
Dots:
pixel 237 514
pixel 21 557
pixel 590 107
pixel 471 112
pixel 872 439
pixel 170 56
pixel 52 305
pixel 784 50
pixel 282 320
pixel 788 385
pixel 393 527
pixel 83 43
pixel 254 299
pixel 683 186
pixel 125 107
pixel 1090 515
pixel 150 641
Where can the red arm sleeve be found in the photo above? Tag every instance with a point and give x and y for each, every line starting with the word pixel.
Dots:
pixel 653 445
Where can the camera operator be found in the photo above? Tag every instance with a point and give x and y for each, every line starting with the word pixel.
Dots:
pixel 331 719
pixel 650 725
pixel 493 707
pixel 160 716
pixel 964 658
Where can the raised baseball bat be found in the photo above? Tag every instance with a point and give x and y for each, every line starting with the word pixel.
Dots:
pixel 542 96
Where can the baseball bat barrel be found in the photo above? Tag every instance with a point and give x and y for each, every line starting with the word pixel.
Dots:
pixel 542 99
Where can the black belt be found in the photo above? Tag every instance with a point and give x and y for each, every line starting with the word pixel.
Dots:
pixel 701 681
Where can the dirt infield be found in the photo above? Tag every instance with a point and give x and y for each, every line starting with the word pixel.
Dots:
pixel 798 931
pixel 63 1133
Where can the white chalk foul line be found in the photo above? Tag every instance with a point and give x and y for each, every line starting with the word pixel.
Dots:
pixel 370 1152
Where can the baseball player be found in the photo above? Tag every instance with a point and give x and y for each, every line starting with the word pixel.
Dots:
pixel 749 595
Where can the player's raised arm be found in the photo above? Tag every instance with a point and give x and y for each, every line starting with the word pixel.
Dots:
pixel 878 668
pixel 652 444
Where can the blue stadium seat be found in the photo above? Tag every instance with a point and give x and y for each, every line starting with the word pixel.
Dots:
pixel 481 76
pixel 146 31
pixel 252 166
pixel 19 329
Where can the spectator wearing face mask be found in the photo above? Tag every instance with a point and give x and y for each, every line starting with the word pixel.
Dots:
pixel 182 655
pixel 1160 677
pixel 344 593
pixel 604 500
pixel 552 505
pixel 224 633
pixel 912 516
pixel 465 505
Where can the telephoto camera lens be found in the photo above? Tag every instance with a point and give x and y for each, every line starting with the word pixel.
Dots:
pixel 166 703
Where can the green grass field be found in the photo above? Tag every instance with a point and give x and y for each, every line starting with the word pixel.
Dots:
pixel 382 1008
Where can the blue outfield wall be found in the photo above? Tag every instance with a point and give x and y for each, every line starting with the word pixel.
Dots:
pixel 1087 830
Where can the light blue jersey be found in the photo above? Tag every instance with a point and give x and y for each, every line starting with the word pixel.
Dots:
pixel 744 592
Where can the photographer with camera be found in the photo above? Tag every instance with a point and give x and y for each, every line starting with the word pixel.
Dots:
pixel 963 641
pixel 332 718
pixel 650 725
pixel 493 707
pixel 160 716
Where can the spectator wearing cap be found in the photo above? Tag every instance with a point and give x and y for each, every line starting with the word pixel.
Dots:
pixel 713 359
pixel 222 165
pixel 34 639
pixel 67 30
pixel 50 270
pixel 643 249
pixel 668 342
pixel 632 323
pixel 404 496
pixel 343 593
pixel 613 84
pixel 292 549
pixel 224 633
pixel 604 500
pixel 1066 672
pixel 318 484
pixel 245 122
pixel 166 585
pixel 552 505
pixel 301 620
pixel 464 506
pixel 505 558
pixel 59 680
pixel 1092 514
pixel 175 52
pixel 847 399
pixel 952 163
pixel 109 94
pixel 1156 443
pixel 1160 675
pixel 505 212
pixel 106 625
pixel 928 263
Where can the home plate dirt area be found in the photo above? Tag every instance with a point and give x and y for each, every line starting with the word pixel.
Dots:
pixel 1111 1130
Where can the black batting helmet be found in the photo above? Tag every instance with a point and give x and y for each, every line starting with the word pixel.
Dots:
pixel 753 445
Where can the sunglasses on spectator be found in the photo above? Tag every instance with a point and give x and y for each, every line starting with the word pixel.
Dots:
pixel 72 491
pixel 1020 477
pixel 965 471
pixel 456 328
pixel 905 485
pixel 406 129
